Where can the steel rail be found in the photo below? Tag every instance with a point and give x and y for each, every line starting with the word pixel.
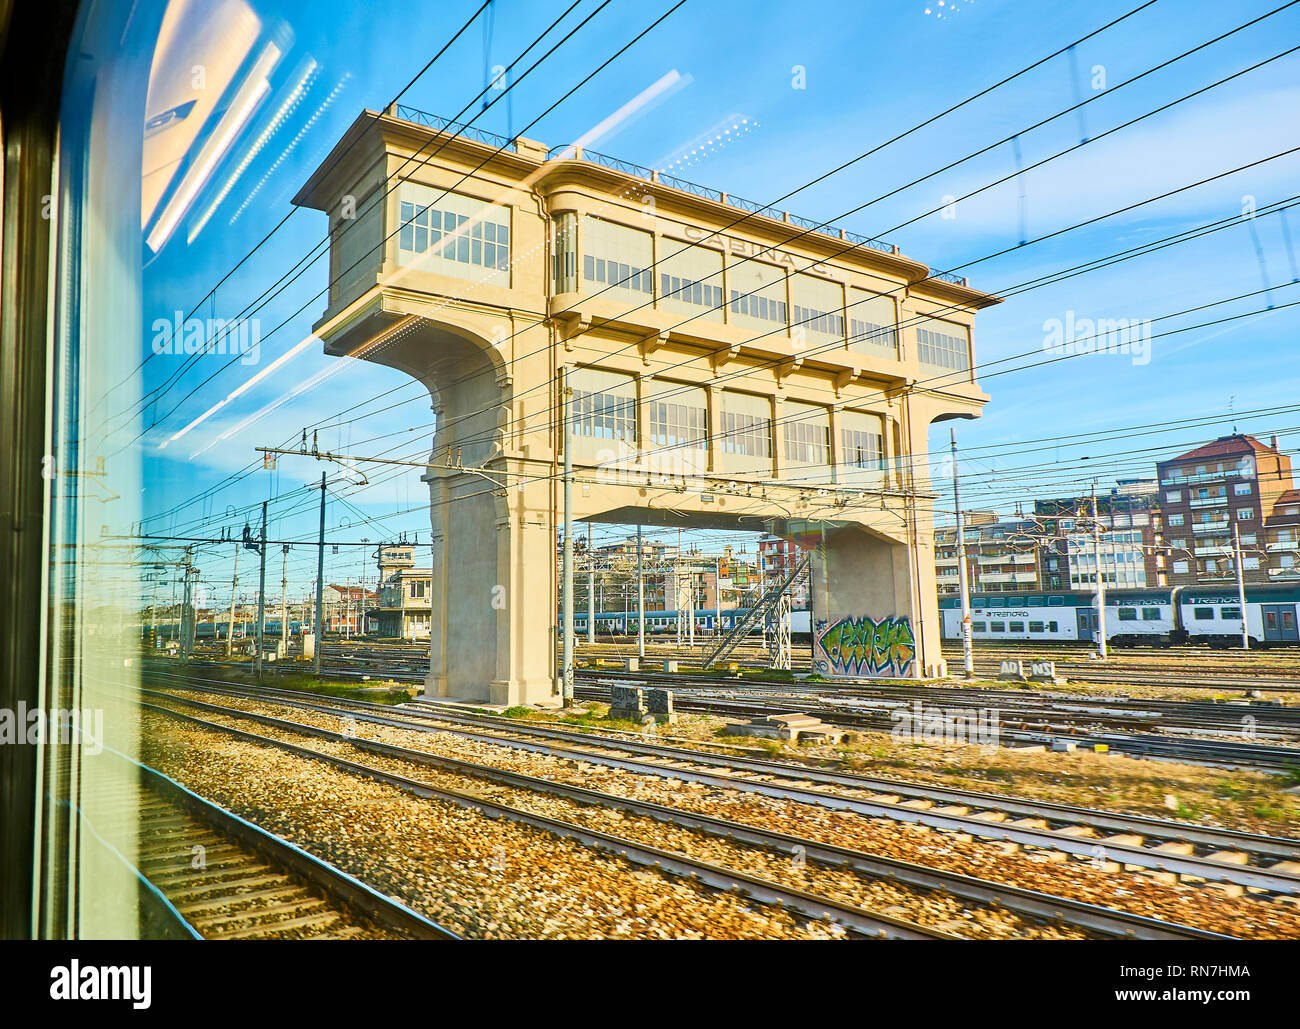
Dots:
pixel 1254 877
pixel 345 888
pixel 861 921
pixel 1281 848
pixel 1036 904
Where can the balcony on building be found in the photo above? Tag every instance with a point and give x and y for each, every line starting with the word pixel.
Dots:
pixel 1177 479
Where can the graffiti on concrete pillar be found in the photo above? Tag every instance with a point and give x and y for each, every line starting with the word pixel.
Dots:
pixel 861 646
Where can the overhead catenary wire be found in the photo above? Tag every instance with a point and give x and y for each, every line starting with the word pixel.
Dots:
pixel 548 110
pixel 972 98
pixel 749 214
pixel 966 265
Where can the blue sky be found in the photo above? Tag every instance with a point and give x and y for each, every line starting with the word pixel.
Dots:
pixel 870 71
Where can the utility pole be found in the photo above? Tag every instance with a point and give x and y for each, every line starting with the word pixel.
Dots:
pixel 678 601
pixel 967 651
pixel 717 595
pixel 1241 586
pixel 234 582
pixel 690 625
pixel 591 590
pixel 187 615
pixel 640 599
pixel 284 599
pixel 320 582
pixel 1101 578
pixel 261 596
pixel 566 687
pixel 153 612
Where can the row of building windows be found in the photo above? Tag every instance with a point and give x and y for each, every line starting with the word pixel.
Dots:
pixel 819 321
pixel 1249 564
pixel 807 443
pixel 746 434
pixel 862 449
pixel 603 415
pixel 616 273
pixel 941 349
pixel 699 293
pixel 451 236
pixel 467 232
pixel 1245 514
pixel 758 307
pixel 873 335
pixel 678 425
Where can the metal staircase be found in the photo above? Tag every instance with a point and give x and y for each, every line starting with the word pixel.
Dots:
pixel 760 609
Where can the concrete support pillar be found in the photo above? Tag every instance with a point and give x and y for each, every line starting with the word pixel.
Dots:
pixel 490 639
pixel 872 622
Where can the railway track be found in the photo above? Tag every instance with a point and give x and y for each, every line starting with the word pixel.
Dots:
pixel 1033 904
pixel 1025 727
pixel 1268 718
pixel 857 921
pixel 1083 721
pixel 212 875
pixel 1197 853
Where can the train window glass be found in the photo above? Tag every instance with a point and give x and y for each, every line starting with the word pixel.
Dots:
pixel 1055 601
pixel 1151 614
pixel 977 626
pixel 1035 601
pixel 1128 614
pixel 1051 627
pixel 997 626
pixel 1202 614
pixel 1230 612
pixel 1017 627
pixel 1035 626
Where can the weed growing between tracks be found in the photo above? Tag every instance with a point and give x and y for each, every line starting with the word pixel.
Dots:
pixel 958 852
pixel 381 693
pixel 1245 800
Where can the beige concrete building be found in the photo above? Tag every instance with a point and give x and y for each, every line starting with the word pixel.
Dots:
pixel 754 375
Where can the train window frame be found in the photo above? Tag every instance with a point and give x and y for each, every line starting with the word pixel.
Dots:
pixel 997 626
pixel 1035 626
pixel 1053 626
pixel 978 626
pixel 1230 613
pixel 1128 614
pixel 1056 602
pixel 1152 614
pixel 1016 627
pixel 1202 614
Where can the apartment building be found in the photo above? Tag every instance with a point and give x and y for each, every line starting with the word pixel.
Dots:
pixel 402 607
pixel 1224 489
